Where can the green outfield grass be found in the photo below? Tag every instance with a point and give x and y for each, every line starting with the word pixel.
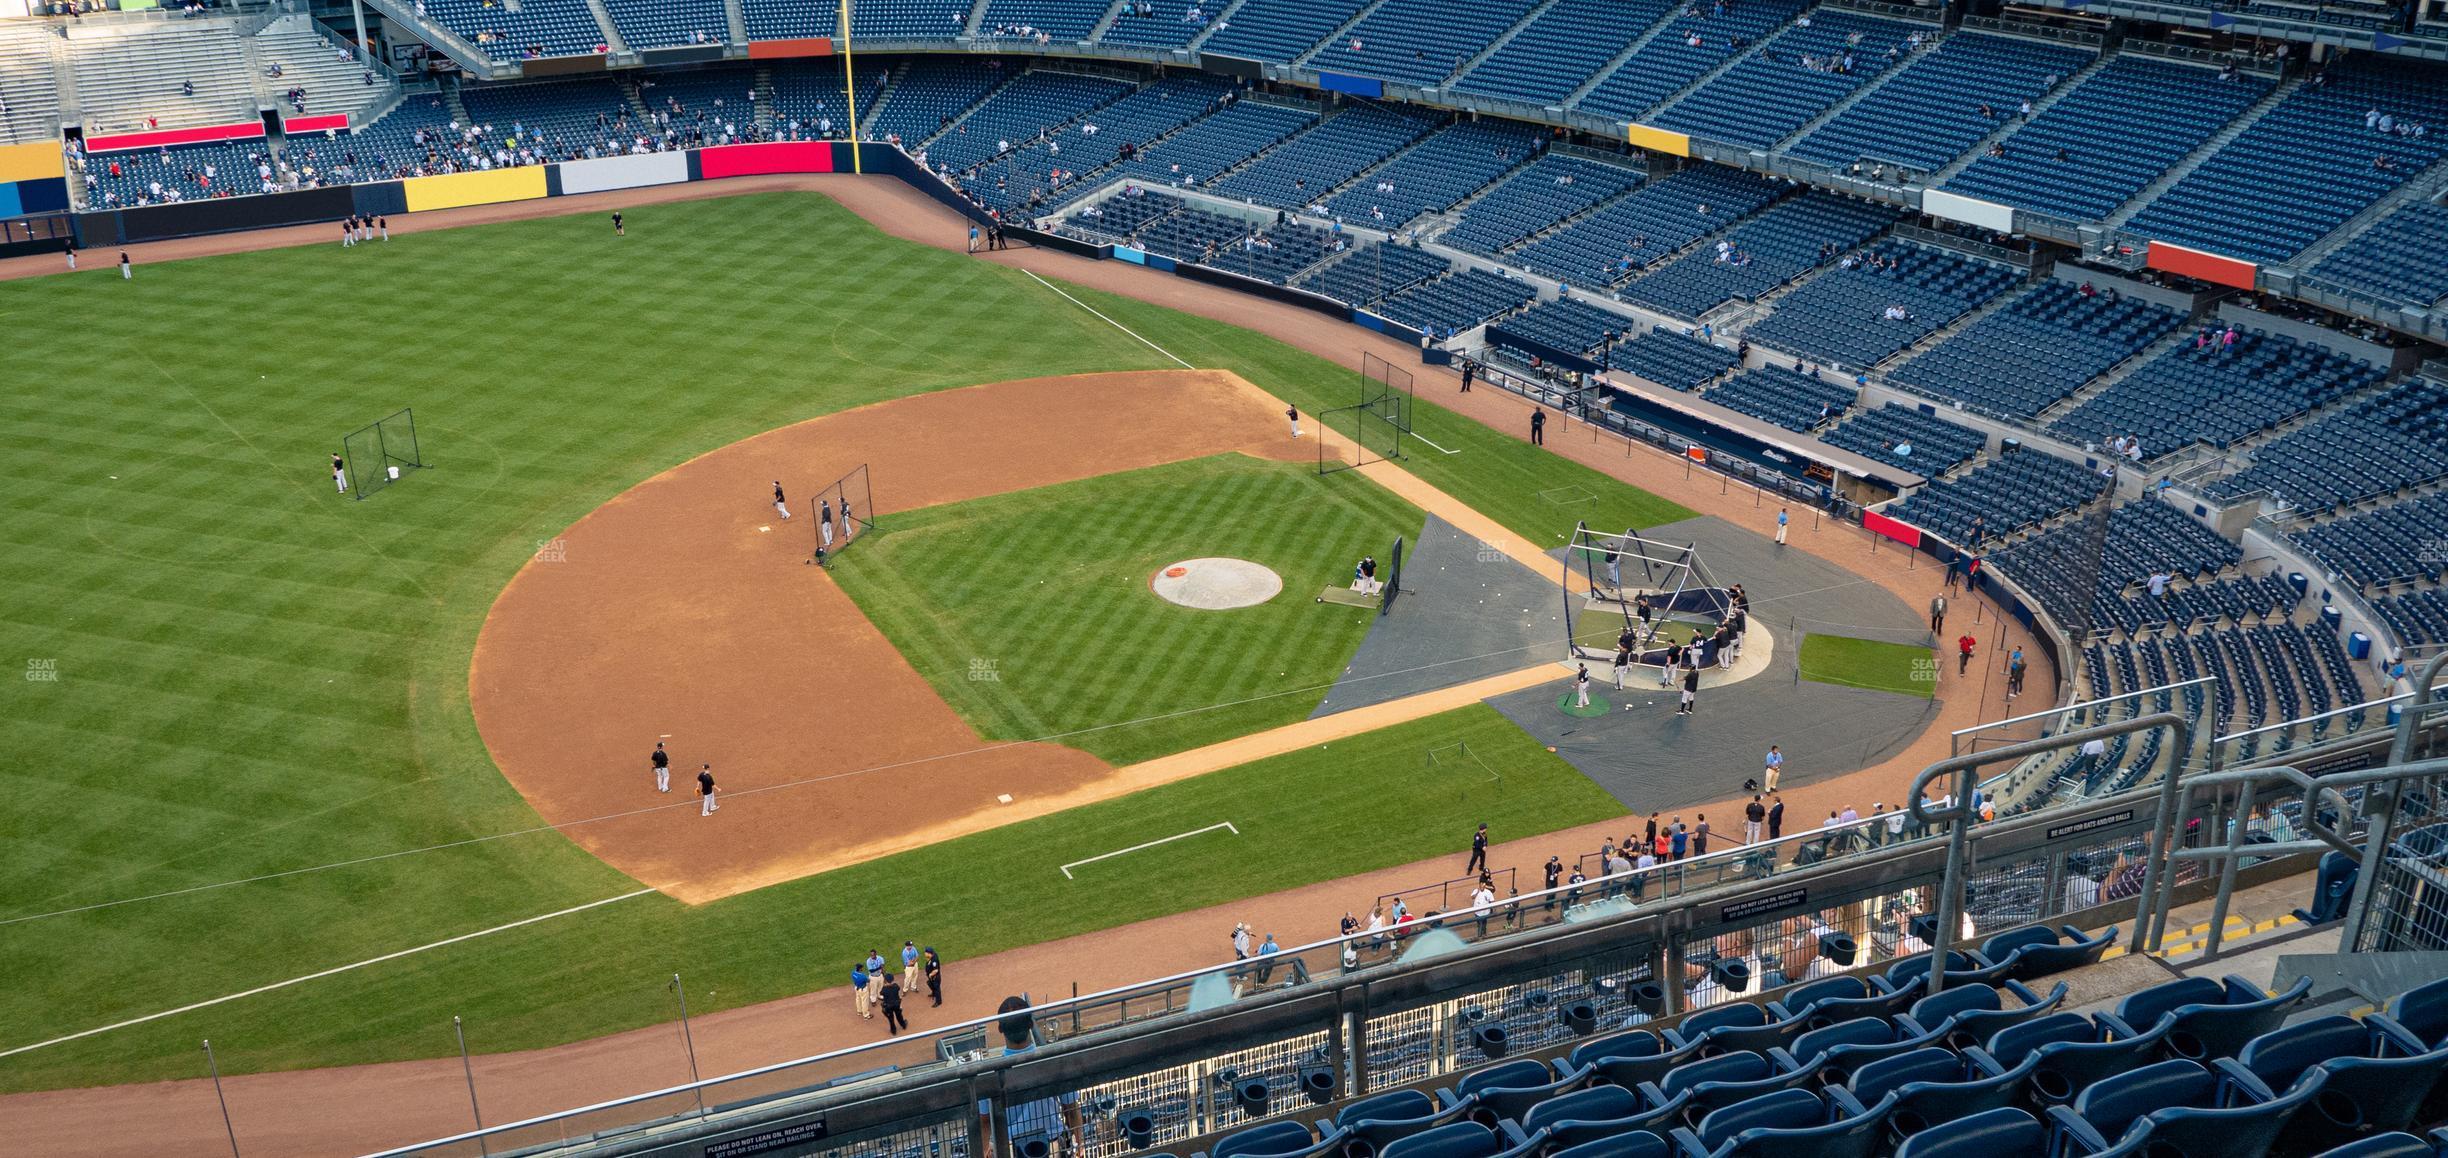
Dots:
pixel 237 673
pixel 1868 663
pixel 1047 591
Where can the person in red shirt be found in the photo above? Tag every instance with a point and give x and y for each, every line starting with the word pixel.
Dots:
pixel 1963 654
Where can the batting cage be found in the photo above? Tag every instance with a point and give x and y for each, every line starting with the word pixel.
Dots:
pixel 844 511
pixel 377 455
pixel 1637 583
pixel 1378 424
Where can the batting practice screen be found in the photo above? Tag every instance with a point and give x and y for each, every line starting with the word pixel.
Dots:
pixel 378 455
pixel 844 513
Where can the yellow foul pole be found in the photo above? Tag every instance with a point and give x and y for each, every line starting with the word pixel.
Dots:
pixel 850 88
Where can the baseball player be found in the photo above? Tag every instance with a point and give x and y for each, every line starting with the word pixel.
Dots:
pixel 705 791
pixel 662 768
pixel 340 473
pixel 824 523
pixel 846 524
pixel 778 501
pixel 1581 685
pixel 1293 413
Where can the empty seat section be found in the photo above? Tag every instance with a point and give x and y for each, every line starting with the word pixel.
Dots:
pixel 1673 360
pixel 1419 42
pixel 1843 315
pixel 1035 102
pixel 2403 257
pixel 811 93
pixel 1928 114
pixel 1561 48
pixel 1081 149
pixel 1900 436
pixel 2336 161
pixel 1445 167
pixel 1053 20
pixel 1567 324
pixel 2113 134
pixel 1458 302
pixel 1161 23
pixel 535 28
pixel 1367 273
pixel 1280 30
pixel 2207 391
pixel 929 95
pixel 2039 349
pixel 1234 134
pixel 663 23
pixel 554 122
pixel 1552 189
pixel 1686 46
pixel 1306 168
pixel 2400 439
pixel 1780 244
pixel 2008 494
pixel 1784 398
pixel 2400 543
pixel 1797 76
pixel 1645 226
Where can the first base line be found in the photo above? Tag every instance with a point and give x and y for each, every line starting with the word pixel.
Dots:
pixel 1226 826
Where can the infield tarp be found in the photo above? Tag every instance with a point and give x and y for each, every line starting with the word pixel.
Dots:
pixel 452 190
pixel 30 162
pixel 623 172
pixel 770 157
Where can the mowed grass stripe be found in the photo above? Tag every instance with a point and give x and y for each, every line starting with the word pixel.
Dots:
pixel 1073 643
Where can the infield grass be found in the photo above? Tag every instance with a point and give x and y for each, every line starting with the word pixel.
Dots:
pixel 1868 663
pixel 1030 612
pixel 236 675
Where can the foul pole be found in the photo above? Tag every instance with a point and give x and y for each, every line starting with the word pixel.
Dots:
pixel 850 88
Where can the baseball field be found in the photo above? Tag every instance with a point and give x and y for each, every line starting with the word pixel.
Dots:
pixel 248 745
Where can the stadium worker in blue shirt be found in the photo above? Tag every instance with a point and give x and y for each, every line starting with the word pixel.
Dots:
pixel 1035 1125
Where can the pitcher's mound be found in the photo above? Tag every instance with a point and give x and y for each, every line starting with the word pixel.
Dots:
pixel 1216 584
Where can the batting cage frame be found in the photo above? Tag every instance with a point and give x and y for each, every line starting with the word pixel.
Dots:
pixel 844 514
pixel 388 446
pixel 1672 575
pixel 1380 421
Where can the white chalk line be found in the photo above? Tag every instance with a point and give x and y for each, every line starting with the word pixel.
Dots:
pixel 1432 443
pixel 1066 869
pixel 206 1004
pixel 1109 321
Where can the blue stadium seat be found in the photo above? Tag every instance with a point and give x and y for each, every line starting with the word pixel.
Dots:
pixel 2116 132
pixel 1554 188
pixel 1799 74
pixel 2209 391
pixel 2008 1133
pixel 1310 166
pixel 2203 1019
pixel 2037 350
pixel 1418 42
pixel 2368 1090
pixel 1766 251
pixel 2037 950
pixel 1683 48
pixel 1841 317
pixel 1561 48
pixel 1644 226
pixel 1940 95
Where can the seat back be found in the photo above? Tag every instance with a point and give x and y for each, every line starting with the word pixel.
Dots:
pixel 1777 1110
pixel 2366 1093
pixel 2004 945
pixel 1882 1077
pixel 2076 951
pixel 2143 1008
pixel 1269 1138
pixel 1631 1043
pixel 1977 1025
pixel 2011 1044
pixel 1937 1007
pixel 2008 1133
pixel 2424 1009
pixel 2066 1069
pixel 1597 1103
pixel 2283 1054
pixel 1698 1025
pixel 1507 1075
pixel 1453 1140
pixel 1800 999
pixel 1395 1104
pixel 1921 1105
pixel 1757 1038
pixel 2186 1131
pixel 2215 1031
pixel 1629 1144
pixel 1728 1067
pixel 2119 1100
pixel 1858 1031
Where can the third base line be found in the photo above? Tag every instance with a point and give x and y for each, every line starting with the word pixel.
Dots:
pixel 1227 826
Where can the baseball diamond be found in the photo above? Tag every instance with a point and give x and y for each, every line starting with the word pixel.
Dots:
pixel 1053 579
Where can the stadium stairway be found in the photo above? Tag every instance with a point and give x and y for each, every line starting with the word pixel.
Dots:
pixel 611 32
pixel 2007 126
pixel 1722 67
pixel 2115 374
pixel 1302 60
pixel 1850 99
pixel 1104 23
pixel 735 18
pixel 1573 99
pixel 977 16
pixel 2210 148
pixel 2422 188
pixel 765 117
pixel 1497 43
pixel 1950 329
pixel 1223 17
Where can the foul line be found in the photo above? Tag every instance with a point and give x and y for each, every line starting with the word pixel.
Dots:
pixel 1066 869
pixel 317 976
pixel 1432 443
pixel 1109 321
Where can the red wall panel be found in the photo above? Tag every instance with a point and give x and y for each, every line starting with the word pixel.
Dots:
pixel 771 157
pixel 245 130
pixel 2209 267
pixel 1904 533
pixel 780 49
